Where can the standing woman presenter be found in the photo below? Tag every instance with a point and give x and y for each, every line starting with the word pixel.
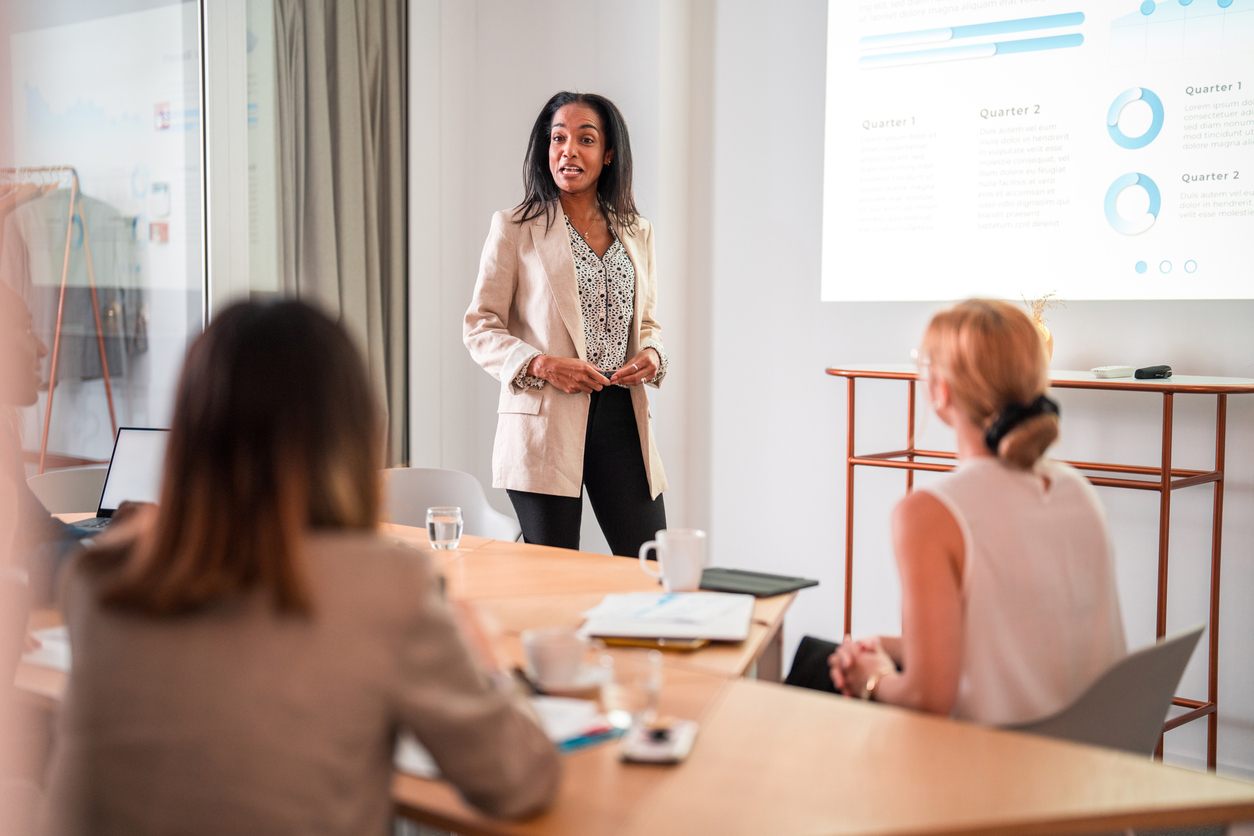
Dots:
pixel 563 317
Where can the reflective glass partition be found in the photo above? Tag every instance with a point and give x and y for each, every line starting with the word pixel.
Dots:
pixel 263 169
pixel 101 219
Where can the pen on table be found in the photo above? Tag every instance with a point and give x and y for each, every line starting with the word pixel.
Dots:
pixel 660 602
pixel 588 738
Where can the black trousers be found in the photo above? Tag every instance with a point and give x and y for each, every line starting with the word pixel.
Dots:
pixel 614 476
pixel 809 665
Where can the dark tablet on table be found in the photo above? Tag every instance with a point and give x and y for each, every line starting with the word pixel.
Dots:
pixel 759 584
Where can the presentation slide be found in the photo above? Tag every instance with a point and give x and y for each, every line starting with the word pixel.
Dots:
pixel 1019 148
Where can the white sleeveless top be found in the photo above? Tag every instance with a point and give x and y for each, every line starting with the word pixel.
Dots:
pixel 1041 617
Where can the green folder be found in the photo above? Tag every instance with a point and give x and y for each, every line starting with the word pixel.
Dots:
pixel 758 584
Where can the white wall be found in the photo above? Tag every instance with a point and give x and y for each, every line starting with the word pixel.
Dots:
pixel 778 430
pixel 725 103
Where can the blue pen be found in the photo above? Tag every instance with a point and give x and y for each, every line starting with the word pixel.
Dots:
pixel 660 602
pixel 588 739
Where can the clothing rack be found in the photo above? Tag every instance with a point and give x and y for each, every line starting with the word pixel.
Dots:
pixel 49 176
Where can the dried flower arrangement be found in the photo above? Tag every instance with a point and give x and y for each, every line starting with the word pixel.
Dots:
pixel 1038 306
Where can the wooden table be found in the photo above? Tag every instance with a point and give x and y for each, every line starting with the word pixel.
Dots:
pixel 771 759
pixel 598 792
pixel 758 656
pixel 520 586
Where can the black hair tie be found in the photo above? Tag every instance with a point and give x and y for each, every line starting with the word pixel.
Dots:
pixel 1014 415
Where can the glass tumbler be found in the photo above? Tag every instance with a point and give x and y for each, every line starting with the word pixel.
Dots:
pixel 631 686
pixel 444 526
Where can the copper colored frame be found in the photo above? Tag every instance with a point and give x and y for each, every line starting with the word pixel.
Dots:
pixel 74 209
pixel 1163 478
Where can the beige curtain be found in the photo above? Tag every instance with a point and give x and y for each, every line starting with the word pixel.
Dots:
pixel 341 135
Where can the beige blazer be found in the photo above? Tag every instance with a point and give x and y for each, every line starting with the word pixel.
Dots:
pixel 239 721
pixel 526 302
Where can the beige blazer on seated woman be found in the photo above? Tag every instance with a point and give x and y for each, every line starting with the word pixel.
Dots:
pixel 239 720
pixel 526 302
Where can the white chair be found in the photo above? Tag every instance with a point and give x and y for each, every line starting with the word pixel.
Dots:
pixel 410 491
pixel 71 490
pixel 1125 708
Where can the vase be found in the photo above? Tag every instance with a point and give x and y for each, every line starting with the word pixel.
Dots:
pixel 1047 337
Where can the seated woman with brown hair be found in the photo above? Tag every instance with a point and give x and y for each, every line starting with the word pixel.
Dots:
pixel 1008 595
pixel 245 655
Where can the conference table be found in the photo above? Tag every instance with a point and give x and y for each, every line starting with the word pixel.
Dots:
pixel 773 759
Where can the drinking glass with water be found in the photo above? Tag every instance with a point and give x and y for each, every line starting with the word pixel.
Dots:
pixel 631 687
pixel 444 526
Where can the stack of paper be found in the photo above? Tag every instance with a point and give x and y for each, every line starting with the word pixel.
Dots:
pixel 53 651
pixel 718 616
pixel 564 720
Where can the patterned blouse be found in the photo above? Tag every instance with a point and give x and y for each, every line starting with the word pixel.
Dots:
pixel 607 296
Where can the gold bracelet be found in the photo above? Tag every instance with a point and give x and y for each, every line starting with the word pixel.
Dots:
pixel 873 682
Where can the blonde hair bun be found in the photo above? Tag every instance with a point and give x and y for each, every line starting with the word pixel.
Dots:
pixel 994 361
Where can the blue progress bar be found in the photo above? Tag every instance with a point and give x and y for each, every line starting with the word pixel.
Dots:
pixel 959 53
pixel 1027 24
pixel 974 30
pixel 1037 44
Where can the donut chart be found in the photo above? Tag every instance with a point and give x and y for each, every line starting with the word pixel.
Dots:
pixel 1137 225
pixel 1015 148
pixel 1127 97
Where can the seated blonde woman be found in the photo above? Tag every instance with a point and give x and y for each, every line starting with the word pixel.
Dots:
pixel 246 654
pixel 1009 608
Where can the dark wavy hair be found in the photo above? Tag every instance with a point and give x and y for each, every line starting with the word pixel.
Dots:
pixel 614 185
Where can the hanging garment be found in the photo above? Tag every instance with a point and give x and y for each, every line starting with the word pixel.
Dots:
pixel 13 195
pixel 31 262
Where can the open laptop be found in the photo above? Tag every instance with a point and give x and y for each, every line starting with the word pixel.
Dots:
pixel 134 473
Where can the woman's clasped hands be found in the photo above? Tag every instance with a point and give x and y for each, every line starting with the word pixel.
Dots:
pixel 574 376
pixel 856 661
pixel 569 374
pixel 639 369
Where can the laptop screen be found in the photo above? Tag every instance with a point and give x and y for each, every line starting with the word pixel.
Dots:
pixel 135 469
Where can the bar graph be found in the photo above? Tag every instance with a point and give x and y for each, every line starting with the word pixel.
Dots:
pixel 975 32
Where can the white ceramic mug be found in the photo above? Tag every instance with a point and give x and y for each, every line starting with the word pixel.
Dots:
pixel 681 557
pixel 555 655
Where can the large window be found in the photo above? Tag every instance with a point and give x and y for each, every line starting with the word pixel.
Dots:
pixel 101 227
